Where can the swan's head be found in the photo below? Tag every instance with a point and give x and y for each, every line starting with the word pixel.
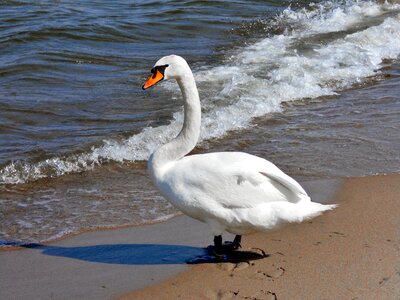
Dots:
pixel 168 67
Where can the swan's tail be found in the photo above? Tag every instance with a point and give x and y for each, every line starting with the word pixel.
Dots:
pixel 273 215
pixel 303 211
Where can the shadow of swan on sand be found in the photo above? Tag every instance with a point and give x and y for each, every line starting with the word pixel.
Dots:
pixel 138 254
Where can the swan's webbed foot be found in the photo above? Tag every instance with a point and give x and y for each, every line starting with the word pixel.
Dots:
pixel 221 249
pixel 225 252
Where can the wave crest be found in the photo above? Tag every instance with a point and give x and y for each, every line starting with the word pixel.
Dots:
pixel 305 61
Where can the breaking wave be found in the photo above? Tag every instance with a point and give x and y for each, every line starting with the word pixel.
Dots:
pixel 321 50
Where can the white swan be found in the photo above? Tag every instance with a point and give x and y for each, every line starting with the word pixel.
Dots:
pixel 230 191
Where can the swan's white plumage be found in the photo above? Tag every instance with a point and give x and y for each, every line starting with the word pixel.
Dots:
pixel 232 191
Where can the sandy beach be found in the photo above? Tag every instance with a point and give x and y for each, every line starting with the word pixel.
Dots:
pixel 349 253
pixel 101 264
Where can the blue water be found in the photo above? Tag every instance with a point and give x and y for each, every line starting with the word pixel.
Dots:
pixel 312 87
pixel 71 71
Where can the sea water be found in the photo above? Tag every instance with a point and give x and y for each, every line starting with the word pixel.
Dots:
pixel 311 86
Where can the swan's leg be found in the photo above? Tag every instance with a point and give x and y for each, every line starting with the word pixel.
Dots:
pixel 218 246
pixel 218 242
pixel 234 245
pixel 236 242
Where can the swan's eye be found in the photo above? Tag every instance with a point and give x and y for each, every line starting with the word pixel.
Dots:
pixel 160 68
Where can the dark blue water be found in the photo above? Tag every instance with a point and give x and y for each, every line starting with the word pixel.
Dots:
pixel 312 87
pixel 70 71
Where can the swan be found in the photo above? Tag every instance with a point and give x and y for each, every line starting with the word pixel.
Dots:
pixel 229 191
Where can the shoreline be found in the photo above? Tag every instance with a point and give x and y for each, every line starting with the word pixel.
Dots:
pixel 138 262
pixel 323 195
pixel 69 235
pixel 108 261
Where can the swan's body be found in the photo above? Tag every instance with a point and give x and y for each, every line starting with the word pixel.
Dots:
pixel 230 191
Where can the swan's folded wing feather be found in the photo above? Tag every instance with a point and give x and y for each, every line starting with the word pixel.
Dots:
pixel 251 167
pixel 286 181
pixel 238 180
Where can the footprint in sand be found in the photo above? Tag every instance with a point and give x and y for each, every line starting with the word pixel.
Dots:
pixel 236 295
pixel 226 295
pixel 263 295
pixel 234 267
pixel 271 273
pixel 227 266
pixel 241 266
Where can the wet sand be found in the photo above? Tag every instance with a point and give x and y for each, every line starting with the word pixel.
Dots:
pixel 101 264
pixel 349 253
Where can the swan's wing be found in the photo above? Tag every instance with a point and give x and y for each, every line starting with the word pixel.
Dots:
pixel 285 180
pixel 256 165
pixel 234 180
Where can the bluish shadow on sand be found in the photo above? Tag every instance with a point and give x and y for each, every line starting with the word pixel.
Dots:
pixel 123 254
pixel 140 254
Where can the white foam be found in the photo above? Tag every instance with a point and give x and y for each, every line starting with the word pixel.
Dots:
pixel 259 78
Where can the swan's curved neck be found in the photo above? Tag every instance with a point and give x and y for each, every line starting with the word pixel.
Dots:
pixel 189 135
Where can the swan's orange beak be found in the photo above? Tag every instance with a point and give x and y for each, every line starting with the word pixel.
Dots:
pixel 153 79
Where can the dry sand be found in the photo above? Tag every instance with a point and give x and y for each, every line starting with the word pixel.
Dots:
pixel 349 253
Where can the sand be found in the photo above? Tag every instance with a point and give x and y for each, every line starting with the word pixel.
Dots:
pixel 101 264
pixel 349 253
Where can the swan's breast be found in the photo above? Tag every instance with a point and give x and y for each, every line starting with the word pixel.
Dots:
pixel 174 184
